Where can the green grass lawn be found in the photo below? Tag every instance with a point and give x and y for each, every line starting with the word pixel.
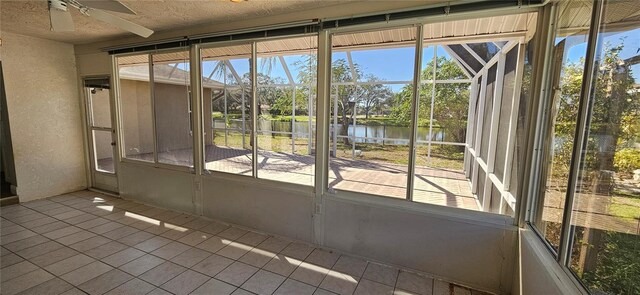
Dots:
pixel 394 154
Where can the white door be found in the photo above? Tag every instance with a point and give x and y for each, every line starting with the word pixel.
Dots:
pixel 102 145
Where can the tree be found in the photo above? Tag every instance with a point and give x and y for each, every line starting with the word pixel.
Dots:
pixel 451 104
pixel 606 260
pixel 373 96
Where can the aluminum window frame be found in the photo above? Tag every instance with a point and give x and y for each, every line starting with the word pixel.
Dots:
pixel 116 78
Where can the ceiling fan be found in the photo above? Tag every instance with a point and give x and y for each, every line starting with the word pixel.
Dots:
pixel 61 17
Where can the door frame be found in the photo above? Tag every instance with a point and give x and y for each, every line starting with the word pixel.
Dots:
pixel 94 175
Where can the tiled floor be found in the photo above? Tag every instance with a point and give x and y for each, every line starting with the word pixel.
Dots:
pixel 89 243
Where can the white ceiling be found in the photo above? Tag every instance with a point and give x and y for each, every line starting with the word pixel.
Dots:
pixel 31 17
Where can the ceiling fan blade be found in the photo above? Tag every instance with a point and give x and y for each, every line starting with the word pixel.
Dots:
pixel 110 5
pixel 120 22
pixel 60 20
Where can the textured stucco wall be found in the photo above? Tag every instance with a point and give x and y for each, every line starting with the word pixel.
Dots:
pixel 45 116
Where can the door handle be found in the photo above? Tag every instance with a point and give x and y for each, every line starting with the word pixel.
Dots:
pixel 113 143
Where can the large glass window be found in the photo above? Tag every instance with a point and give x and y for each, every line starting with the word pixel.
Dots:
pixel 172 106
pixel 286 93
pixel 605 220
pixel 136 110
pixel 371 111
pixel 227 102
pixel 155 107
pixel 443 107
pixel 568 66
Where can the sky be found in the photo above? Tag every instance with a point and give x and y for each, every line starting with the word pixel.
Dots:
pixel 631 48
pixel 396 64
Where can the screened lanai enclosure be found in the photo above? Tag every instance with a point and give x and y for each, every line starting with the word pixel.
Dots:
pixel 450 91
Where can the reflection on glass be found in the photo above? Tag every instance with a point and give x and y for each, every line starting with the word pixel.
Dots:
pixel 568 64
pixel 103 151
pixel 135 100
pixel 286 119
pixel 227 96
pixel 100 107
pixel 173 108
pixel 605 249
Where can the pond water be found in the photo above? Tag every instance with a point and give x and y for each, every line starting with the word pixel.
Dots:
pixel 364 134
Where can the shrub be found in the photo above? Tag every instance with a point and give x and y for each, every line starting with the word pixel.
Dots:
pixel 626 160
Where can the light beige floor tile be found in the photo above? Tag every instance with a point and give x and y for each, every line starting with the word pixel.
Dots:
pixel 381 274
pixel 92 223
pixel 214 286
pixel 17 236
pixel 10 259
pixel 273 244
pixel 212 265
pixel 350 265
pixel 152 244
pixel 120 232
pixel 16 270
pixel 195 238
pixel 322 258
pixel 232 233
pixel 340 283
pixel 214 228
pixel 26 243
pixel 213 244
pixel 367 287
pixel 441 287
pixel 414 283
pixel 197 223
pixel 49 227
pixel 185 282
pixel 309 273
pixel 158 291
pixel 234 250
pixel 54 256
pixel 323 292
pixel 105 282
pixel 52 286
pixel 106 250
pixel 257 257
pixel 142 264
pixel 59 233
pixel 85 273
pixel 263 282
pixel 170 250
pixel 64 266
pixel 80 218
pixel 297 250
pixel 293 287
pixel 136 238
pixel 241 292
pixel 75 237
pixel 282 265
pixel 89 243
pixel 25 281
pixel 106 227
pixel 119 258
pixel 252 238
pixel 132 287
pixel 162 273
pixel 190 257
pixel 236 274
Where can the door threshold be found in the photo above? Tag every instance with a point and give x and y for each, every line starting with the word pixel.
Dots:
pixel 9 201
pixel 106 192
